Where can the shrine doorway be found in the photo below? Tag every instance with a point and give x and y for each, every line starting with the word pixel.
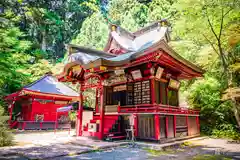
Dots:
pixel 119 97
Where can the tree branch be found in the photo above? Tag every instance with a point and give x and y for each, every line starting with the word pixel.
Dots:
pixel 210 25
pixel 212 45
pixel 221 26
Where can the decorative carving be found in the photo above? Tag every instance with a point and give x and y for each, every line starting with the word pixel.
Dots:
pixel 113 79
pixel 120 88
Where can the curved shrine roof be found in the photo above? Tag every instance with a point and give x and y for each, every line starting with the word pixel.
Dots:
pixel 47 86
pixel 132 45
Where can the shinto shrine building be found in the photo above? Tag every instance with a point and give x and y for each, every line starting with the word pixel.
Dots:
pixel 136 75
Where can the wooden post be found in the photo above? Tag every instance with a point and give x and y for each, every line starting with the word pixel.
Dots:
pixel 101 127
pixel 157 126
pixel 80 111
pixel 174 124
pixel 166 126
pixel 187 125
pixel 40 125
pixel 56 121
pixel 153 98
pixel 136 124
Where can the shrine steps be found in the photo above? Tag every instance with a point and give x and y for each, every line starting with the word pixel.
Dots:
pixel 110 130
pixel 115 136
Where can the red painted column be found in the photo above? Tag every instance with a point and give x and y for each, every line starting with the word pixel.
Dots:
pixel 198 124
pixel 166 126
pixel 80 111
pixel 10 112
pixel 135 124
pixel 96 105
pixel 174 125
pixel 153 98
pixel 187 125
pixel 157 126
pixel 101 127
pixel 32 116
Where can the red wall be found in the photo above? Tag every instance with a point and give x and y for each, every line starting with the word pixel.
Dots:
pixel 48 109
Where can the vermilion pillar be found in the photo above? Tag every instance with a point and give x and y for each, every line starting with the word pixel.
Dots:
pixel 157 126
pixel 80 111
pixel 153 91
pixel 174 125
pixel 101 127
pixel 96 105
pixel 166 126
pixel 32 109
pixel 135 124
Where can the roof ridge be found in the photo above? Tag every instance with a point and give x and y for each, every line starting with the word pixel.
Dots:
pixel 64 84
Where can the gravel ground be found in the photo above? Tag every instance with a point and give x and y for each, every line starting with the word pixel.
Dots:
pixel 42 138
pixel 139 153
pixel 47 145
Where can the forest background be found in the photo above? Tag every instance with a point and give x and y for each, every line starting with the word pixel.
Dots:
pixel 33 35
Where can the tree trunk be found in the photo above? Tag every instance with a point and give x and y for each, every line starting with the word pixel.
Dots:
pixel 44 41
pixel 237 112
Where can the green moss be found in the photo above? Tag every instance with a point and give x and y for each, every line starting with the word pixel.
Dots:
pixel 210 157
pixel 155 152
pixel 186 144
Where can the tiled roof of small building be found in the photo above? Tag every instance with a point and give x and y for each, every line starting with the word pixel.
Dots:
pixel 49 84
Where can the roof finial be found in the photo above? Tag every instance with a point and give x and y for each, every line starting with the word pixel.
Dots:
pixel 163 22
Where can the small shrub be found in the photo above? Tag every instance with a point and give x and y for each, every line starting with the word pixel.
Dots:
pixel 226 131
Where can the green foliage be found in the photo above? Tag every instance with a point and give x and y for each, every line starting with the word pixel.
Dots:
pixel 13 58
pixel 130 14
pixel 49 24
pixel 161 9
pixel 95 29
pixel 6 137
pixel 72 116
pixel 226 131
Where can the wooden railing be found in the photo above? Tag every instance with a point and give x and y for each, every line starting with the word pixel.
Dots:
pixel 153 108
pixel 33 125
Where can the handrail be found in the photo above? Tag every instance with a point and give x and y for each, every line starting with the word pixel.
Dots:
pixel 156 108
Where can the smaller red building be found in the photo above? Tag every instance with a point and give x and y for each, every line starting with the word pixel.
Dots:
pixel 35 105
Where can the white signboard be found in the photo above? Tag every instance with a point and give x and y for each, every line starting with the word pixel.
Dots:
pixel 136 74
pixel 159 72
pixel 174 84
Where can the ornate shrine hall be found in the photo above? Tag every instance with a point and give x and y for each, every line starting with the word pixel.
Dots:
pixel 137 75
